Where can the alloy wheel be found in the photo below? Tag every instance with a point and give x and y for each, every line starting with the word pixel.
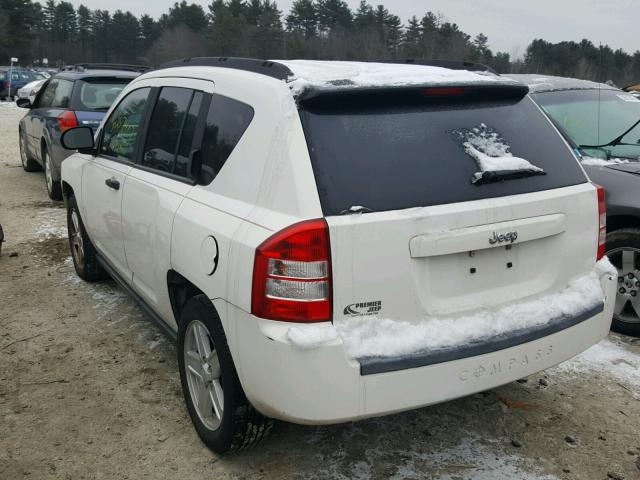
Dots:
pixel 23 151
pixel 204 376
pixel 47 171
pixel 75 236
pixel 627 306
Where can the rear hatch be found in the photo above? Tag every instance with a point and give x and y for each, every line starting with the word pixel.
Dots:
pixel 422 222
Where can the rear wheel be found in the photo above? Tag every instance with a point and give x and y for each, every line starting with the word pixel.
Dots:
pixel 217 405
pixel 28 164
pixel 54 189
pixel 623 249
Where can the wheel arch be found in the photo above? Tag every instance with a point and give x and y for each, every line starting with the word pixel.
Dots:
pixel 618 222
pixel 180 290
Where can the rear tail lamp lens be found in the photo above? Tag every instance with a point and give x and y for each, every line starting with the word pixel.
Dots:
pixel 602 221
pixel 67 120
pixel 292 275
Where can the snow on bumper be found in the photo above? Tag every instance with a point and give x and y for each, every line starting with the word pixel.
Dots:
pixel 321 384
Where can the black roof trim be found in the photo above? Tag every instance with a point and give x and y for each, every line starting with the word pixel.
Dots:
pixel 82 67
pixel 264 67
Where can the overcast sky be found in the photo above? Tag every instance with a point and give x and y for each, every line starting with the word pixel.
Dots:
pixel 509 24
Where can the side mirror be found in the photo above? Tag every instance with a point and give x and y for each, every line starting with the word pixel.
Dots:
pixel 79 138
pixel 23 103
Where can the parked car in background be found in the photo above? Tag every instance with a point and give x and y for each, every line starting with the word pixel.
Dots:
pixel 19 78
pixel 30 90
pixel 331 241
pixel 633 89
pixel 76 96
pixel 602 123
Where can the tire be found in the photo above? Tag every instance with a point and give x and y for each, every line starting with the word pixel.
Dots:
pixel 623 249
pixel 238 425
pixel 28 163
pixel 83 252
pixel 54 188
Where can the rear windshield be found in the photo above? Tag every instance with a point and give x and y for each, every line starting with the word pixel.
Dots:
pixel 98 94
pixel 401 151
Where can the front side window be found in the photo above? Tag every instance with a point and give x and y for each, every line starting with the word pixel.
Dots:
pixel 167 122
pixel 122 129
pixel 226 122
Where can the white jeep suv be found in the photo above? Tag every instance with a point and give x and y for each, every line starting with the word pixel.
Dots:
pixel 331 241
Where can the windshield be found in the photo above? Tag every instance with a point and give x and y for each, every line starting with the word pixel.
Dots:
pixel 376 155
pixel 99 95
pixel 592 117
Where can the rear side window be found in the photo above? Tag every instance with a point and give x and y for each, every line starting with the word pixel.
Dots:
pixel 122 128
pixel 57 94
pixel 226 122
pixel 167 123
pixel 395 152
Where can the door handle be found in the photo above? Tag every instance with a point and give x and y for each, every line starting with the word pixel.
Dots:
pixel 112 183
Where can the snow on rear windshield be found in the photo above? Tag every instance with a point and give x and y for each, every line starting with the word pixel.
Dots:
pixel 491 152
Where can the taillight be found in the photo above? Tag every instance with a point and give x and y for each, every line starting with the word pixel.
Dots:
pixel 292 274
pixel 67 120
pixel 602 221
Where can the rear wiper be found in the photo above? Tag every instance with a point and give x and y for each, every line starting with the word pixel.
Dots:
pixel 356 209
pixel 615 141
pixel 502 175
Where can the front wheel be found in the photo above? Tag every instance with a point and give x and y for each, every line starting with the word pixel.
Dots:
pixel 54 189
pixel 217 405
pixel 623 250
pixel 83 253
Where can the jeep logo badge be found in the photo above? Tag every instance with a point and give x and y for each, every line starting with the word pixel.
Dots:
pixel 503 237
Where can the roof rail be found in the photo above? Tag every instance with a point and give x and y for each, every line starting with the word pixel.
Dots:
pixel 264 67
pixel 81 67
pixel 279 71
pixel 450 64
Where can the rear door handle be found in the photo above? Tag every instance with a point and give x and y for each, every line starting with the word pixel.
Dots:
pixel 112 183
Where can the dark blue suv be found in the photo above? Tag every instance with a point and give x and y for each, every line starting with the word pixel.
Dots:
pixel 76 96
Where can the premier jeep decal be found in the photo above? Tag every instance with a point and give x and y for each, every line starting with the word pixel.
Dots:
pixel 503 237
pixel 364 308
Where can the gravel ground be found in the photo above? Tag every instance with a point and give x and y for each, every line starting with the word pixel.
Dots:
pixel 89 388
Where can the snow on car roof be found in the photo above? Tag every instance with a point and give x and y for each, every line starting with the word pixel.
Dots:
pixel 550 83
pixel 348 75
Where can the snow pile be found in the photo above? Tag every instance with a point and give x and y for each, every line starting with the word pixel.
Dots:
pixel 491 152
pixel 336 75
pixel 599 162
pixel 382 337
pixel 608 358
pixel 51 222
pixel 313 336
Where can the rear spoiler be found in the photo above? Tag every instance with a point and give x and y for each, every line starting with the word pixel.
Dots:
pixel 477 91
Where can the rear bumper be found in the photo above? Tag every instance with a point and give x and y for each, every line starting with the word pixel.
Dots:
pixel 322 385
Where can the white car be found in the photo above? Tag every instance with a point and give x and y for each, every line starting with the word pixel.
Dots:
pixel 333 241
pixel 30 90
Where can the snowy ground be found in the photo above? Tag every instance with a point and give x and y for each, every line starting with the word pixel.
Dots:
pixel 89 389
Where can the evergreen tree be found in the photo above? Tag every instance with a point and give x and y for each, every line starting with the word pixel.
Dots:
pixel 303 18
pixel 412 37
pixel 334 15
